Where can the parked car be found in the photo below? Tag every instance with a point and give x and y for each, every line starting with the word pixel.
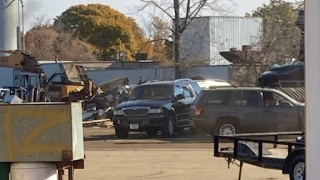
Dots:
pixel 229 111
pixel 209 83
pixel 156 106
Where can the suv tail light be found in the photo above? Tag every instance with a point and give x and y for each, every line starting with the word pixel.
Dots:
pixel 199 111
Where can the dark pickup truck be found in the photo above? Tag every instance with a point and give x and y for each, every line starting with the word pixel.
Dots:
pixel 155 106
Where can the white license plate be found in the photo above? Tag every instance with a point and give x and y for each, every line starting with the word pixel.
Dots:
pixel 134 126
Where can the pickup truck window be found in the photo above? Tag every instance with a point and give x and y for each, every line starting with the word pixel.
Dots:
pixel 219 98
pixel 195 86
pixel 152 92
pixel 187 93
pixel 178 90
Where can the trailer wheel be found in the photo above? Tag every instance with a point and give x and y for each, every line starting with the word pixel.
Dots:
pixel 297 168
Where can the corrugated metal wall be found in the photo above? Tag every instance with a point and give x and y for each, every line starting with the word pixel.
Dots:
pixel 205 37
pixel 233 32
pixel 196 40
pixel 99 76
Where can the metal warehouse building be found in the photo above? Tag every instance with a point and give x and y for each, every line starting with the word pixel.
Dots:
pixel 205 37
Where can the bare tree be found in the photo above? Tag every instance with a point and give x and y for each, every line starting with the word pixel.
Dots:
pixel 181 13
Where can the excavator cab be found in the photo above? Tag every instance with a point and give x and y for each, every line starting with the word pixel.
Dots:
pixel 28 86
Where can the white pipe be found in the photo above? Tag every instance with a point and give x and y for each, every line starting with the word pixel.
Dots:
pixel 312 75
pixel 8 24
pixel 33 171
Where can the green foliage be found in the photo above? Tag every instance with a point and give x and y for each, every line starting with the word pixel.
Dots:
pixel 105 28
pixel 279 13
pixel 280 33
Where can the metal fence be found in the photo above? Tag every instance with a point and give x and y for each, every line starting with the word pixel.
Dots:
pixel 208 72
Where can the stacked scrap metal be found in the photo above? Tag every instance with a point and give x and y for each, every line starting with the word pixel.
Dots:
pixel 99 109
pixel 296 93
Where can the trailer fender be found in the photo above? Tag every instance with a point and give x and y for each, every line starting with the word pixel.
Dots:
pixel 290 157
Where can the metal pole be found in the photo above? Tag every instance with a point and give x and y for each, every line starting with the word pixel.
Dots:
pixel 18 38
pixel 312 75
pixel 23 32
pixel 18 29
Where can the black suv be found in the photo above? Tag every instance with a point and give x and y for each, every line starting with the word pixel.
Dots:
pixel 155 106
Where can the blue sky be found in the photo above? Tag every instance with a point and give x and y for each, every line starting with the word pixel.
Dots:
pixel 52 8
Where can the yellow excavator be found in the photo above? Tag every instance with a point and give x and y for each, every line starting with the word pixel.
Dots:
pixel 32 82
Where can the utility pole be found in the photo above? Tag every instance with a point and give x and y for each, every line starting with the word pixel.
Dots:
pixel 177 39
pixel 23 35
pixel 312 75
pixel 18 29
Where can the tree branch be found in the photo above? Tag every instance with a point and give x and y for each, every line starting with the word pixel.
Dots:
pixel 192 15
pixel 167 28
pixel 158 6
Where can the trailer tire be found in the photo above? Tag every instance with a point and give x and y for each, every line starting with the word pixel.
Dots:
pixel 297 168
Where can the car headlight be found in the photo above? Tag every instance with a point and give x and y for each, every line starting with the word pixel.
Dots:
pixel 155 111
pixel 118 112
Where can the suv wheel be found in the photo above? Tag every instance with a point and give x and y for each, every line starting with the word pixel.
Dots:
pixel 226 127
pixel 168 129
pixel 121 133
pixel 152 132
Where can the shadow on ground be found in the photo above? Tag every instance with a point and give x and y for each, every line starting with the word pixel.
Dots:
pixel 103 134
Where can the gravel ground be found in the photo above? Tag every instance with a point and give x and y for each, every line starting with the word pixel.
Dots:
pixel 186 157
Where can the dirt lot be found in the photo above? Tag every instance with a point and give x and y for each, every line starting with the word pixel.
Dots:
pixel 140 158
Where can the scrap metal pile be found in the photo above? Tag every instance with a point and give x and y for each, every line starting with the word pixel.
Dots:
pixel 99 108
pixel 33 81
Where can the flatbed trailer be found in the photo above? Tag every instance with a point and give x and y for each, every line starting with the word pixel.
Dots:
pixel 252 149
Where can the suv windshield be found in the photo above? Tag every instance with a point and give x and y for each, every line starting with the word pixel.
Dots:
pixel 152 92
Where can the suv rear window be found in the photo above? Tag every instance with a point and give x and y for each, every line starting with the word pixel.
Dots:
pixel 219 98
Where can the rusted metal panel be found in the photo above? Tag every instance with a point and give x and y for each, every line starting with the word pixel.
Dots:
pixel 41 132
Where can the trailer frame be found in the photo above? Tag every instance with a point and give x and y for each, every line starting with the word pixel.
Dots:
pixel 231 155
